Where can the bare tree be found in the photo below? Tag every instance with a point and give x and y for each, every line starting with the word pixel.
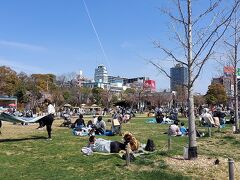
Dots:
pixel 106 97
pixel 232 43
pixel 197 42
pixel 67 78
pixel 160 99
pixel 181 96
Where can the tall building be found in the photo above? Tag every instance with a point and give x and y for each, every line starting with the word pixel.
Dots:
pixel 179 76
pixel 101 74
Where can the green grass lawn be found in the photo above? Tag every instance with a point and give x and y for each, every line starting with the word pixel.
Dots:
pixel 28 155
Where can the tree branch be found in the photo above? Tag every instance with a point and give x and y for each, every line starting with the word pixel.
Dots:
pixel 227 20
pixel 209 54
pixel 169 53
pixel 161 69
pixel 210 9
pixel 183 19
pixel 172 16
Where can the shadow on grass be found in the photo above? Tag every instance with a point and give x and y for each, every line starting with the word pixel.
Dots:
pixel 23 139
pixel 160 174
pixel 229 138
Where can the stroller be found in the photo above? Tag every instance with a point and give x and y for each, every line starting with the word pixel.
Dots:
pixel 67 121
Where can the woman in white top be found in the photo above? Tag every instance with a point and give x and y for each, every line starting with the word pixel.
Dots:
pixel 48 120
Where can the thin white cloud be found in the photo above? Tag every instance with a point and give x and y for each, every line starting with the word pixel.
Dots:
pixel 12 44
pixel 21 67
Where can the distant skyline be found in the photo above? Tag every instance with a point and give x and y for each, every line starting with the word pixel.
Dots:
pixel 57 37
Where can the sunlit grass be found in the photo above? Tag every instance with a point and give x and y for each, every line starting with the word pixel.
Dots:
pixel 30 156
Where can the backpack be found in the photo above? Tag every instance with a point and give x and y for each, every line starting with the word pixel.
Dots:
pixel 150 146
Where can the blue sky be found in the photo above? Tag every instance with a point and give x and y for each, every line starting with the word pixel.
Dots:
pixel 56 36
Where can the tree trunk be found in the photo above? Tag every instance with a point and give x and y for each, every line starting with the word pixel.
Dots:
pixel 192 151
pixel 235 71
pixel 236 102
pixel 236 92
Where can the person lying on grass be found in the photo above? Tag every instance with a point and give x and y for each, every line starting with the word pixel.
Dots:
pixel 106 146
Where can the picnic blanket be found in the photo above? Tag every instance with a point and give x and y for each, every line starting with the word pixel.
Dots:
pixel 165 121
pixel 88 151
pixel 85 131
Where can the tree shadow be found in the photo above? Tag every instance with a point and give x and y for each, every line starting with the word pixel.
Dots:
pixel 23 139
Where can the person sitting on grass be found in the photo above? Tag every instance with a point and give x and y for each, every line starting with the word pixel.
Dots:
pixel 94 121
pixel 218 117
pixel 174 130
pixel 183 130
pixel 106 146
pixel 100 126
pixel 90 124
pixel 133 142
pixel 208 118
pixel 79 123
pixel 159 117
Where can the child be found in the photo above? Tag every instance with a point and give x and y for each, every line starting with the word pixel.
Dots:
pixel 183 129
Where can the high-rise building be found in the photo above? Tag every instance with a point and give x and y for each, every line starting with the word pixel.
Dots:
pixel 179 76
pixel 101 74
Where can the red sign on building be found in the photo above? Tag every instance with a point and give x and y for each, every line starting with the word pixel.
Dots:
pixel 228 70
pixel 149 84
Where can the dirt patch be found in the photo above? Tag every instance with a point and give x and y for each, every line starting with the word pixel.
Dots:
pixel 203 167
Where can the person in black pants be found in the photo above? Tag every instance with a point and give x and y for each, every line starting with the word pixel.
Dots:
pixel 116 146
pixel 103 146
pixel 48 120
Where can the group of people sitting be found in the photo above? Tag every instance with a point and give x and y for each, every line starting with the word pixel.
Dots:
pixel 175 130
pixel 213 119
pixel 122 117
pixel 97 126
